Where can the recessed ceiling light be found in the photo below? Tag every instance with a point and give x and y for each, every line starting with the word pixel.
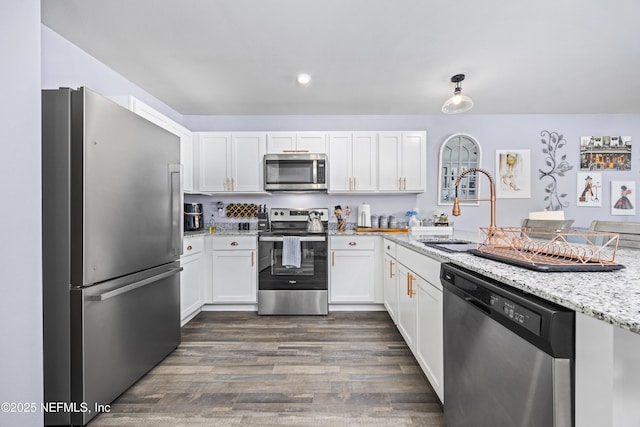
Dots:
pixel 303 79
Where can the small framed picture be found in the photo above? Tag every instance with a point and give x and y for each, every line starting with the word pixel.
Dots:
pixel 589 189
pixel 513 174
pixel 623 198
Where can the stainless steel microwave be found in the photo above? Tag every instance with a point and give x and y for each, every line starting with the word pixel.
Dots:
pixel 295 172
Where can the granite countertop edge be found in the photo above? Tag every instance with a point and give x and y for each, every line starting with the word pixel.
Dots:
pixel 614 299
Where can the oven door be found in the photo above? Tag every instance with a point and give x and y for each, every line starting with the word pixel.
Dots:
pixel 312 274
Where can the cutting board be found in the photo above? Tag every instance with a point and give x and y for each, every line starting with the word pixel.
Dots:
pixel 382 230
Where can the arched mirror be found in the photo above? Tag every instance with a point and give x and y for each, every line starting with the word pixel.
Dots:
pixel 458 153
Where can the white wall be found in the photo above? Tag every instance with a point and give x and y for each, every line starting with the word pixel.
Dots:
pixel 66 65
pixel 20 250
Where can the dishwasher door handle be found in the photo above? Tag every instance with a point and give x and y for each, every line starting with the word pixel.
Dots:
pixel 478 304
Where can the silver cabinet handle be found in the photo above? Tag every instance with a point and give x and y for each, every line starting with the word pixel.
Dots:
pixel 189 247
pixel 234 243
pixel 352 243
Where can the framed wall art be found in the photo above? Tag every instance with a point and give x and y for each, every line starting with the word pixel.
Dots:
pixel 605 153
pixel 513 174
pixel 589 189
pixel 623 197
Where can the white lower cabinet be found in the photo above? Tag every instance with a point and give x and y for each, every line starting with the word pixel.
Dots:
pixel 407 307
pixel 191 277
pixel 429 348
pixel 353 270
pixel 391 287
pixel 234 270
pixel 415 285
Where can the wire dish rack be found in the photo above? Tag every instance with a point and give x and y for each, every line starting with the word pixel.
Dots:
pixel 544 249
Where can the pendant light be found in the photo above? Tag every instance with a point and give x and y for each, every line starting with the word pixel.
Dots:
pixel 458 103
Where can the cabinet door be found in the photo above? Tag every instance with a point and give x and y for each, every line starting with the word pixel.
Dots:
pixel 280 142
pixel 414 161
pixel 311 142
pixel 407 316
pixel 352 276
pixel 364 163
pixel 234 276
pixel 214 161
pixel 391 287
pixel 247 154
pixel 430 347
pixel 191 280
pixel 340 177
pixel 389 174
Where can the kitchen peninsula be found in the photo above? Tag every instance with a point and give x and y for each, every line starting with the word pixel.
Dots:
pixel 607 306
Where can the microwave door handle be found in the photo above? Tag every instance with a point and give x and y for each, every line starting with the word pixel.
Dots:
pixel 315 171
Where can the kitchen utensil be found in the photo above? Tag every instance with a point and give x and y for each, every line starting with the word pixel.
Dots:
pixel 314 224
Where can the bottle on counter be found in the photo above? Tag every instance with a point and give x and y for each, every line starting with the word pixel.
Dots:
pixel 212 224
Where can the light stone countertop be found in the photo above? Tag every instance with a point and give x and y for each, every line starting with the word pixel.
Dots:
pixel 613 297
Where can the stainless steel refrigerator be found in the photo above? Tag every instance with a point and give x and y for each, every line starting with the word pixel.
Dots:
pixel 112 238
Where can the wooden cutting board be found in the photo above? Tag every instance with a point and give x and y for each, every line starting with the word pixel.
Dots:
pixel 382 230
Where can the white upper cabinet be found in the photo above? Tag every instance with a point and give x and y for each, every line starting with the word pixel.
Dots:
pixel 402 161
pixel 296 142
pixel 185 135
pixel 230 162
pixel 352 162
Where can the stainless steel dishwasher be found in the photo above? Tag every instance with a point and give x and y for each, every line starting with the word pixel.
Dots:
pixel 508 355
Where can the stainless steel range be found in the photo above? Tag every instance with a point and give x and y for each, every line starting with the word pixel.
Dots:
pixel 292 264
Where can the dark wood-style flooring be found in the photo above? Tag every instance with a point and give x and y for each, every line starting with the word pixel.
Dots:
pixel 241 369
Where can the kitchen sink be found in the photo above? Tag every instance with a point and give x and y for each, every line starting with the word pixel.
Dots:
pixel 451 245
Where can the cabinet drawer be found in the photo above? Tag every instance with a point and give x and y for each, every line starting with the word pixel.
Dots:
pixel 424 266
pixel 353 243
pixel 234 242
pixel 389 248
pixel 192 245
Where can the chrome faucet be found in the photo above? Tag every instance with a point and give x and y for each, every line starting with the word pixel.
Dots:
pixel 492 197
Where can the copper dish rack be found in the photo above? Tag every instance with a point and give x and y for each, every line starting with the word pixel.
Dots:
pixel 545 249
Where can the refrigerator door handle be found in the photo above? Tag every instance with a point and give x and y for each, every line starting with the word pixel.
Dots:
pixel 134 285
pixel 177 218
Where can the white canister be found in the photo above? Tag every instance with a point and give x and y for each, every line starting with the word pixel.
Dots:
pixel 375 222
pixel 383 221
pixel 393 222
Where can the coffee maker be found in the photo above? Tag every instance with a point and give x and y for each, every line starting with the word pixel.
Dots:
pixel 193 219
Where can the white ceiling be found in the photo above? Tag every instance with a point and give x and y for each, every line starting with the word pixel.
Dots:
pixel 215 57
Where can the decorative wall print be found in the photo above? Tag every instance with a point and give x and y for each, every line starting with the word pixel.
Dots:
pixel 553 142
pixel 623 198
pixel 513 174
pixel 605 153
pixel 589 190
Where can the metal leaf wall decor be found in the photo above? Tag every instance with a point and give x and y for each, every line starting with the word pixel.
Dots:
pixel 553 141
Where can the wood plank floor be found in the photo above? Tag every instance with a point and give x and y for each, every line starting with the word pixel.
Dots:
pixel 241 369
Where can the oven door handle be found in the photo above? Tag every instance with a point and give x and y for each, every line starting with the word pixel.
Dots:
pixel 302 239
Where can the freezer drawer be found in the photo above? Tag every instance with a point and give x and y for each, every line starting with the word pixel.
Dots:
pixel 120 330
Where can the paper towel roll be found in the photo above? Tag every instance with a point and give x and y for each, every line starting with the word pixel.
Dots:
pixel 364 215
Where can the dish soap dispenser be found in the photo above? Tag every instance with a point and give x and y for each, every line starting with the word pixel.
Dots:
pixel 413 219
